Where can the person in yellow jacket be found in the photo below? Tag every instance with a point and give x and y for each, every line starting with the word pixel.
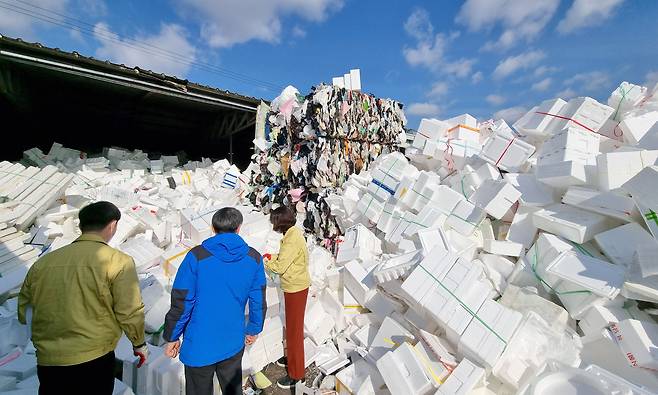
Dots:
pixel 81 297
pixel 291 264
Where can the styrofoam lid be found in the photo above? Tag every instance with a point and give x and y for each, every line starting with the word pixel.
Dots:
pixel 599 277
pixel 568 382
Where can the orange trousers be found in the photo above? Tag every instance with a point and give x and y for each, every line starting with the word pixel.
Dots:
pixel 295 308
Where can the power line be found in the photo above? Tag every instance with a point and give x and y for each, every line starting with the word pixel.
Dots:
pixel 104 34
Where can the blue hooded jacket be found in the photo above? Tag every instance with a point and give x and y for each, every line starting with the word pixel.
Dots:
pixel 208 299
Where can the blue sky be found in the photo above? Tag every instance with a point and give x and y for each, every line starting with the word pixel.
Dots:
pixel 441 58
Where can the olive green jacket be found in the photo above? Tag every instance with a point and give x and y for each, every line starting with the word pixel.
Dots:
pixel 82 297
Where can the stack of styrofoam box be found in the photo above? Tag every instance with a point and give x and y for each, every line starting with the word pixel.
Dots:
pixel 507 152
pixel 359 243
pixel 349 81
pixel 267 348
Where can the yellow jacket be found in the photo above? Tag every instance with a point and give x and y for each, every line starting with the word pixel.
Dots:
pixel 291 264
pixel 82 295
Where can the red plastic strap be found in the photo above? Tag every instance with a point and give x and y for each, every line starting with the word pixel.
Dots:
pixel 570 119
pixel 505 151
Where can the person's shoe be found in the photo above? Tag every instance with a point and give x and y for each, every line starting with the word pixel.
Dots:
pixel 286 382
pixel 283 362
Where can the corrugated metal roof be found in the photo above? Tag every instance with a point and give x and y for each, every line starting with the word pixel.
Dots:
pixel 75 58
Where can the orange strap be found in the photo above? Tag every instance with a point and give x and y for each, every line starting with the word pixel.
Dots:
pixel 463 126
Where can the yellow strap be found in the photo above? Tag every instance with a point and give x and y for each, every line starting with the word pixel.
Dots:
pixel 168 260
pixel 463 126
pixel 427 365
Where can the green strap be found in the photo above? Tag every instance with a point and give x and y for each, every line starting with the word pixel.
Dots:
pixel 541 280
pixel 623 96
pixel 159 331
pixel 582 249
pixel 471 312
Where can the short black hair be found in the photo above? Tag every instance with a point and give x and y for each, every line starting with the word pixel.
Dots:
pixel 226 220
pixel 282 219
pixel 96 216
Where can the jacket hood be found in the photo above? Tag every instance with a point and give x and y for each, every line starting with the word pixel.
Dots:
pixel 228 247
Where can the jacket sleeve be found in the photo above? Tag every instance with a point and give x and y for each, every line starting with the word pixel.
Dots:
pixel 280 263
pixel 257 301
pixel 25 297
pixel 128 306
pixel 183 299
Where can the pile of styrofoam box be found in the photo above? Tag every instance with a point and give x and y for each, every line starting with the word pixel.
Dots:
pixel 495 255
pixel 166 210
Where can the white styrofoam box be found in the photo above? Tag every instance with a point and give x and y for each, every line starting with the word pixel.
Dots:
pixel 637 126
pixel 347 80
pixel 455 152
pixel 621 243
pixel 359 243
pixel 403 372
pixel 642 188
pixel 650 139
pixel 533 193
pixel 154 317
pixel 581 281
pixel 534 122
pixel 355 79
pixel 418 283
pixel 365 335
pixel 429 129
pixel 198 225
pixel 570 144
pixel 638 341
pixel 606 203
pixel 523 230
pixel 360 378
pixel 616 168
pixel 430 238
pixel 485 343
pixel 144 253
pixel 7 383
pixel 388 337
pixel 571 223
pixel 456 314
pixel 370 207
pixel 435 368
pixel 358 280
pixel 463 119
pixel 598 318
pixel 506 152
pixel 625 97
pixel 503 247
pixel 495 197
pixel 469 180
pixel 562 175
pixel 429 217
pixel 382 305
pixel 463 380
pixel 382 185
pixel 21 367
pixel 397 266
pixel 169 377
pixel 466 130
pixel 465 218
pixel 338 82
pixel 581 112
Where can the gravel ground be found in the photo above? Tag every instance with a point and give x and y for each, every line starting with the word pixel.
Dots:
pixel 275 372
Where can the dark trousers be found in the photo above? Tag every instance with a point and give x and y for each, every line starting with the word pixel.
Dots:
pixel 93 377
pixel 198 381
pixel 295 307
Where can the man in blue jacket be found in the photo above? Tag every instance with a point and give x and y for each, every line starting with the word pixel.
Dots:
pixel 208 299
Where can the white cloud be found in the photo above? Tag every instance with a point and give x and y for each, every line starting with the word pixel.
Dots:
pixel 541 70
pixel 423 109
pixel 94 8
pixel 225 23
pixel 518 62
pixel 298 32
pixel 171 37
pixel 567 94
pixel 586 13
pixel 495 100
pixel 511 114
pixel 439 89
pixel 590 82
pixel 520 19
pixel 542 85
pixel 418 25
pixel 430 49
pixel 477 77
pixel 17 24
pixel 651 79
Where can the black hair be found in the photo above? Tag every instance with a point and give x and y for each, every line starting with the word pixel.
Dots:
pixel 227 220
pixel 96 216
pixel 282 219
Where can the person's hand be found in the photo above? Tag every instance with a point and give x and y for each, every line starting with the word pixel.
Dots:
pixel 172 349
pixel 142 352
pixel 250 339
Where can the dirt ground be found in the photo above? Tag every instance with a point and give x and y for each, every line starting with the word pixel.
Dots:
pixel 275 372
